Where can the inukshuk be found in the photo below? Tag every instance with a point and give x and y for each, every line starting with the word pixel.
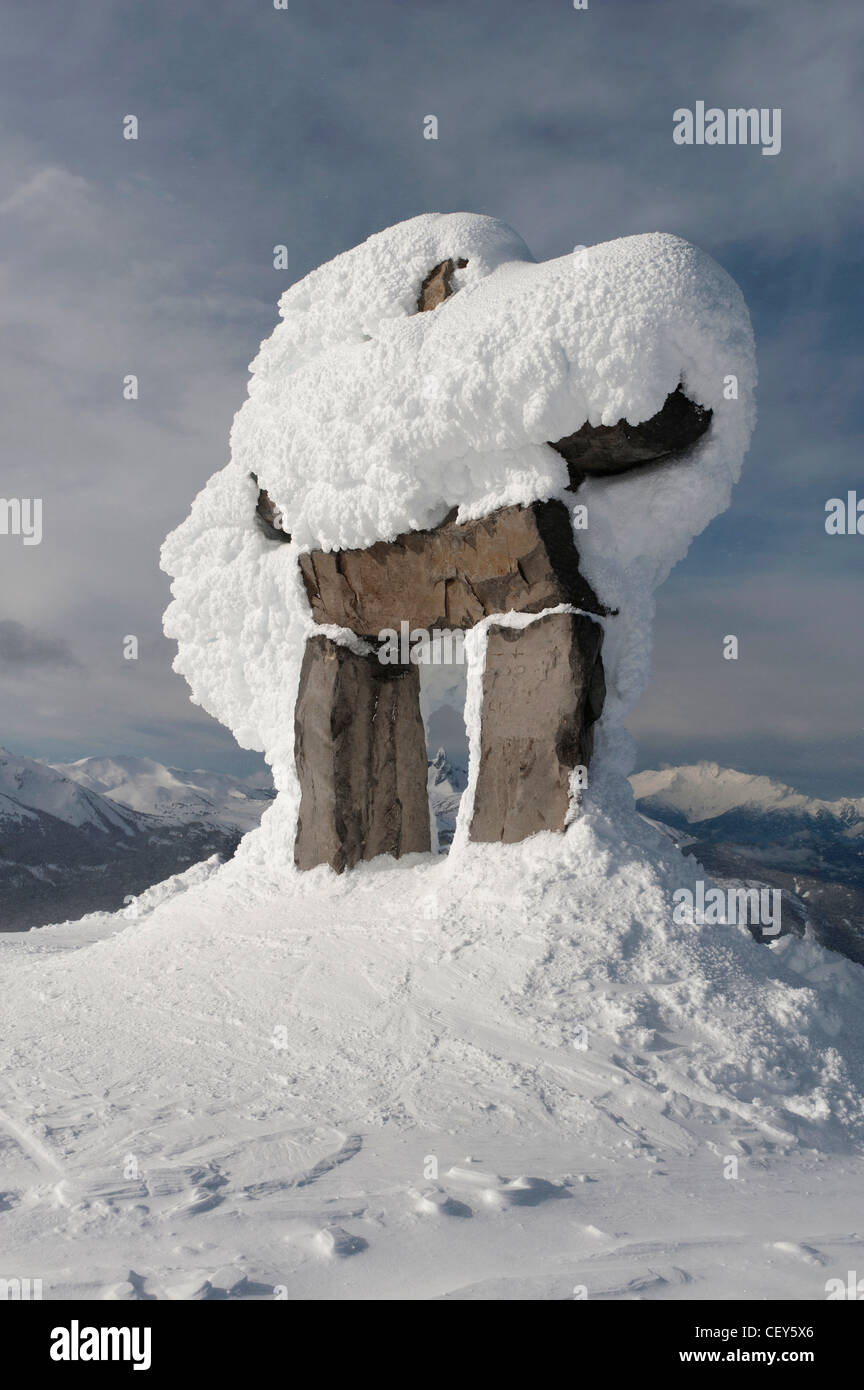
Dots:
pixel 458 436
pixel 360 744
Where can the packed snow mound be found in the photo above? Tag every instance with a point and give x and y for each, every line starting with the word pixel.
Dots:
pixel 279 1055
pixel 533 988
pixel 704 791
pixel 366 419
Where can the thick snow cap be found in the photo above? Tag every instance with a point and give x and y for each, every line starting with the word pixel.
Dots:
pixel 366 419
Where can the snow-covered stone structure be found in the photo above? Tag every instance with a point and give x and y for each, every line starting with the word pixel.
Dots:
pixel 425 428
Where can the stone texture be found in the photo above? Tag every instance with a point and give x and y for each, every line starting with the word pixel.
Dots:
pixel 268 515
pixel 543 689
pixel 437 287
pixel 360 751
pixel 518 558
pixel 605 449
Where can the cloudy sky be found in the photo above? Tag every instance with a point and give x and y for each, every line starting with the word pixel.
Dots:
pixel 304 126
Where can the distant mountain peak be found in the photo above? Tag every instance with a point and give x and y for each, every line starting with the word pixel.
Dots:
pixel 446 773
pixel 171 793
pixel 36 787
pixel 86 835
pixel 703 791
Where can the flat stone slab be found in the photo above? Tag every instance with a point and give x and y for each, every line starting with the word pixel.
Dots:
pixel 519 559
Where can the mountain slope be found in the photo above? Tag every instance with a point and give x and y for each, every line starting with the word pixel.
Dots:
pixel 29 789
pixel 67 849
pixel 745 827
pixel 770 821
pixel 705 792
pixel 446 783
pixel 171 792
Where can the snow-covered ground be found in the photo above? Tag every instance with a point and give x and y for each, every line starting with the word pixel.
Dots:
pixel 502 1074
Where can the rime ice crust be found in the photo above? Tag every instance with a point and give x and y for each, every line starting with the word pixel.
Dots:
pixel 366 419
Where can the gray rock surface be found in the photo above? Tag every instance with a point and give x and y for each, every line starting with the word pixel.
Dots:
pixel 543 689
pixel 519 559
pixel 603 449
pixel 360 751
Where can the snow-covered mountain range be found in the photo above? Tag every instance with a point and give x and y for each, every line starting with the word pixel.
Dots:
pixel 83 837
pixel 741 828
pixel 148 786
pixel 447 781
pixel 723 803
pixel 745 827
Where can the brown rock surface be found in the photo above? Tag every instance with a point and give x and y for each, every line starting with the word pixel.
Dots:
pixel 543 689
pixel 436 287
pixel 518 558
pixel 269 515
pixel 360 752
pixel 605 449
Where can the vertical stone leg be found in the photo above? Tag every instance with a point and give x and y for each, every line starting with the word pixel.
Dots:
pixel 543 688
pixel 360 750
